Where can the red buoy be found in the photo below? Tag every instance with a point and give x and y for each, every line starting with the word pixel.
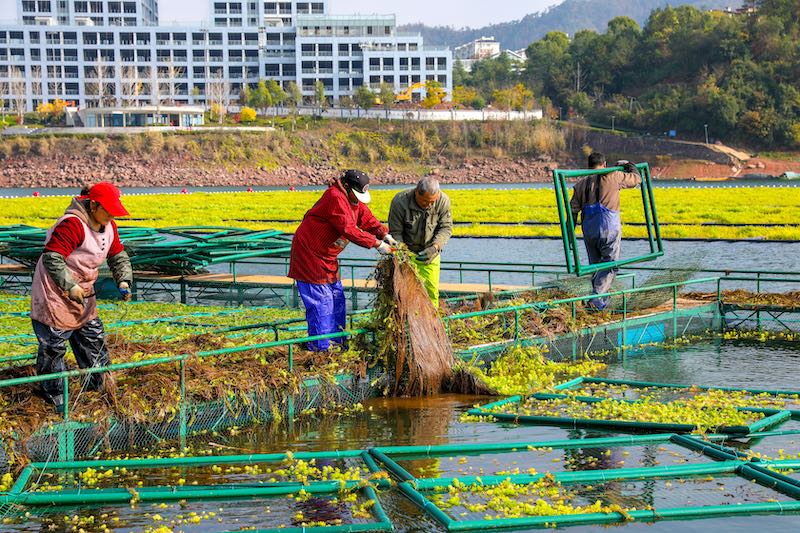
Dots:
pixel 184 191
pixel 291 188
pixel 36 194
pixel 249 189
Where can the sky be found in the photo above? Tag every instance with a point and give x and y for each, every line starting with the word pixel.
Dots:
pixel 458 13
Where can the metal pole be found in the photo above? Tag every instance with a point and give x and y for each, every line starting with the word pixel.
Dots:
pixel 183 415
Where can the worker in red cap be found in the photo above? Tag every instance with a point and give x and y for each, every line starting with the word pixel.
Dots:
pixel 63 305
pixel 341 216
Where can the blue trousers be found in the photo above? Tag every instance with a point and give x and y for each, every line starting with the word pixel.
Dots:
pixel 602 235
pixel 326 312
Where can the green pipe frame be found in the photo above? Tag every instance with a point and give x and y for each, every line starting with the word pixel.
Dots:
pixel 774 417
pixel 414 490
pixel 567 223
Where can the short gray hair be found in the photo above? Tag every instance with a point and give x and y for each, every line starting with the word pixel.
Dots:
pixel 428 185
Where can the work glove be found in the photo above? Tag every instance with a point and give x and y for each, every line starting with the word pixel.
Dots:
pixel 125 291
pixel 384 248
pixel 428 254
pixel 630 168
pixel 388 239
pixel 76 294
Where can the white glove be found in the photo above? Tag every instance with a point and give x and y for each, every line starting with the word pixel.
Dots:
pixel 390 240
pixel 384 248
pixel 76 294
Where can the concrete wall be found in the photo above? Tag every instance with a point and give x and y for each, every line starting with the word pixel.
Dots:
pixel 648 146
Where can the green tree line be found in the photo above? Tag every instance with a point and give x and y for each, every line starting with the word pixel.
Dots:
pixel 738 75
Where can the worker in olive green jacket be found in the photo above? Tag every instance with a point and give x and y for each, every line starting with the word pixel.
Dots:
pixel 421 219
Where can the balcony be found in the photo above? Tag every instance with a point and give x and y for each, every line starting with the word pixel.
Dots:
pixel 251 42
pixel 232 42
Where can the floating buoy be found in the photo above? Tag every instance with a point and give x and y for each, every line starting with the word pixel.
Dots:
pixel 291 188
pixel 36 194
pixel 184 191
pixel 250 189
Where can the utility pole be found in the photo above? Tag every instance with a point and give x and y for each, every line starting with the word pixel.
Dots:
pixel 559 113
pixel 612 122
pixel 705 127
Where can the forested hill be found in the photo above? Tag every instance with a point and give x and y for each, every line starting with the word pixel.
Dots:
pixel 570 16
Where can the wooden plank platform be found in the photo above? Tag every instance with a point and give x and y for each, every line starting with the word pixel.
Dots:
pixel 9 269
pixel 259 280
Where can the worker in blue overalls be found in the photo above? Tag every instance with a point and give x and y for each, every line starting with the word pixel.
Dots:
pixel 596 199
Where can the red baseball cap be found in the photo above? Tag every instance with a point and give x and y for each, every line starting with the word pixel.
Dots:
pixel 107 195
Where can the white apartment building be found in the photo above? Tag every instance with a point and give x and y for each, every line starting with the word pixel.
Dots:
pixel 482 48
pixel 106 52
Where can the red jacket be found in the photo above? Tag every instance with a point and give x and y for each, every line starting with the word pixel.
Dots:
pixel 326 229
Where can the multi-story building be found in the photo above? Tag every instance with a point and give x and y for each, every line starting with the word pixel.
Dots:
pixel 107 52
pixel 478 49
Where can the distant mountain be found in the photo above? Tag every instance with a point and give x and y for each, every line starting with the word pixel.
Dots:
pixel 570 16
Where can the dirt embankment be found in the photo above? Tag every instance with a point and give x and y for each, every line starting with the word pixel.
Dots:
pixel 129 170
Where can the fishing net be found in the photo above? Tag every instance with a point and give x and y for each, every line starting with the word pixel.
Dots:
pixel 412 340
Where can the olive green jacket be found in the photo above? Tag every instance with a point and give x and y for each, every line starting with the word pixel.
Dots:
pixel 420 228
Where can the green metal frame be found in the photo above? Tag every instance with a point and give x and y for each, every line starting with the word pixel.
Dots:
pixel 772 417
pixel 415 491
pixel 569 238
pixel 574 383
pixel 21 496
pixel 389 455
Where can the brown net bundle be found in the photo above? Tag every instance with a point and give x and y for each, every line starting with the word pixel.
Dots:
pixel 412 340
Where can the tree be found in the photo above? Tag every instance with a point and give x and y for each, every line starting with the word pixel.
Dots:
pixel 165 82
pixel 277 93
pixel 261 98
pixel 467 97
pixel 434 94
pixel 320 100
pixel 580 103
pixel 278 96
pixel 52 112
pixel 247 115
pixel 364 98
pixel 491 74
pixel 295 99
pixel 18 93
pixel 245 94
pixel 346 102
pixel 460 74
pixel 548 68
pixel 218 94
pixel 386 96
pixel 131 86
pixel 99 86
